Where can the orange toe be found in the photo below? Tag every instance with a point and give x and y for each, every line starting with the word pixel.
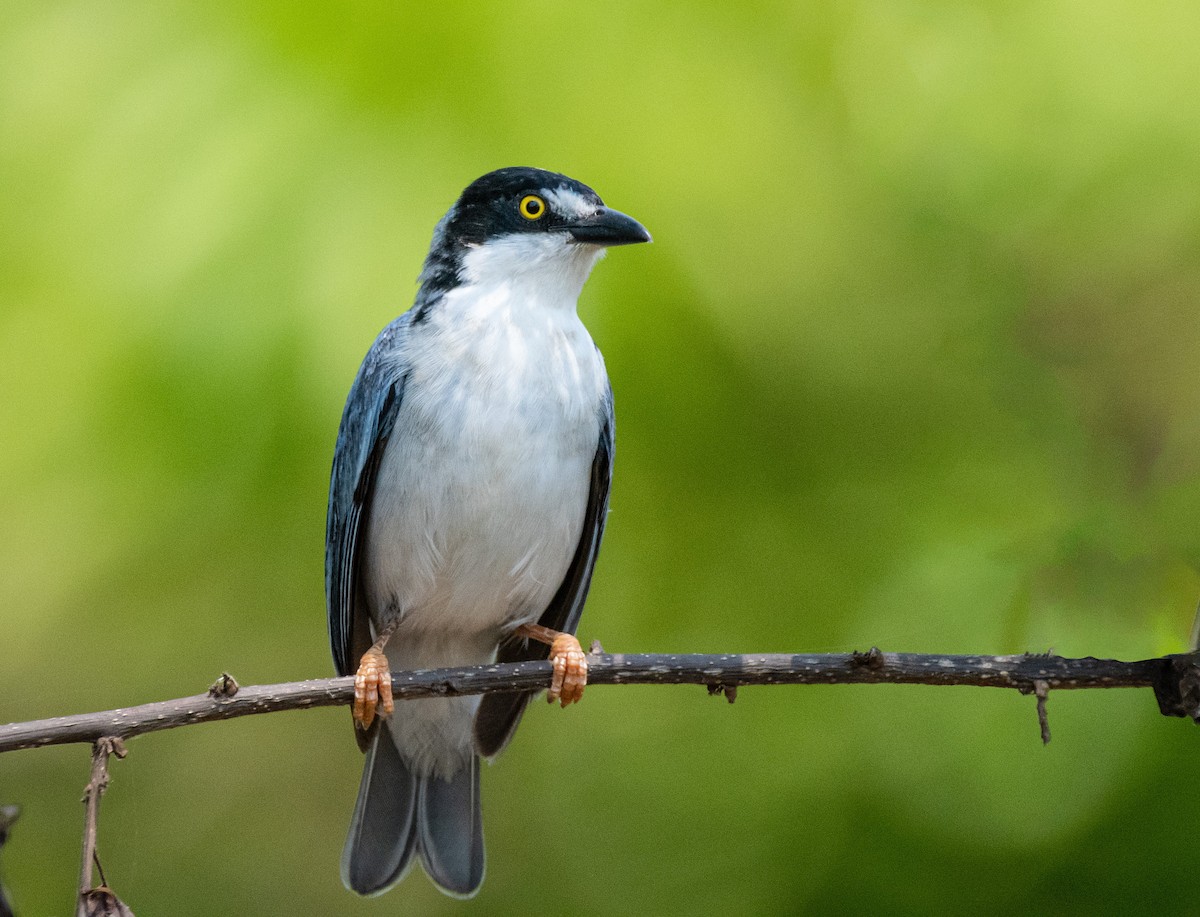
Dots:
pixel 570 670
pixel 372 688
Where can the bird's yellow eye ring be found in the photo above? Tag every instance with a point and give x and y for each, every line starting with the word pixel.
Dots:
pixel 532 207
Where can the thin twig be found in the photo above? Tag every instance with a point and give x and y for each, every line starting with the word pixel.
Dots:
pixel 1042 691
pixel 102 748
pixel 1175 680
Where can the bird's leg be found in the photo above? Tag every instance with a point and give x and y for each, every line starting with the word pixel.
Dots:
pixel 373 681
pixel 570 665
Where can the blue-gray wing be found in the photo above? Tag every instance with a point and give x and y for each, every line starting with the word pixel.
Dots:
pixel 499 714
pixel 367 424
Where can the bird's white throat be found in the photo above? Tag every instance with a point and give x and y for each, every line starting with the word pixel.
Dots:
pixel 542 268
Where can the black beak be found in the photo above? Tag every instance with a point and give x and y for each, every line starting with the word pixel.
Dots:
pixel 608 227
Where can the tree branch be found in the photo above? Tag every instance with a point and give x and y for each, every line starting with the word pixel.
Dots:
pixel 1175 680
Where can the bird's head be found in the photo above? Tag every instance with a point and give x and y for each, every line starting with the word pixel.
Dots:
pixel 520 222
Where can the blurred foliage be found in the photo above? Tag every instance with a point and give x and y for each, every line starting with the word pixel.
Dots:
pixel 912 362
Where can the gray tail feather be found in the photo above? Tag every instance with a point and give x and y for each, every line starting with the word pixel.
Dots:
pixel 399 813
pixel 382 832
pixel 450 831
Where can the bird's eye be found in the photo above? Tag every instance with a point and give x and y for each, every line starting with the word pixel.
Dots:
pixel 532 207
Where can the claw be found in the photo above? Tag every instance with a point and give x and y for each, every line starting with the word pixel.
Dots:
pixel 570 670
pixel 372 688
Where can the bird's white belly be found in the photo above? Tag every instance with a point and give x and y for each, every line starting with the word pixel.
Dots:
pixel 487 477
pixel 484 514
pixel 470 544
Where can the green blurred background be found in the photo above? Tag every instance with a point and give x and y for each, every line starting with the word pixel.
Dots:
pixel 912 362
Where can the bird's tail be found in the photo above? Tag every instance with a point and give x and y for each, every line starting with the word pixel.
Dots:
pixel 400 813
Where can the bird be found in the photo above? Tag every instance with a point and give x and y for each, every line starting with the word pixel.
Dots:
pixel 467 502
pixel 8 815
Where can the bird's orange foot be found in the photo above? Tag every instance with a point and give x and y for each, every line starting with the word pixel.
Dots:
pixel 372 688
pixel 570 670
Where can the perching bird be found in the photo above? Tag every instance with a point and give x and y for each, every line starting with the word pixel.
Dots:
pixel 8 815
pixel 468 498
